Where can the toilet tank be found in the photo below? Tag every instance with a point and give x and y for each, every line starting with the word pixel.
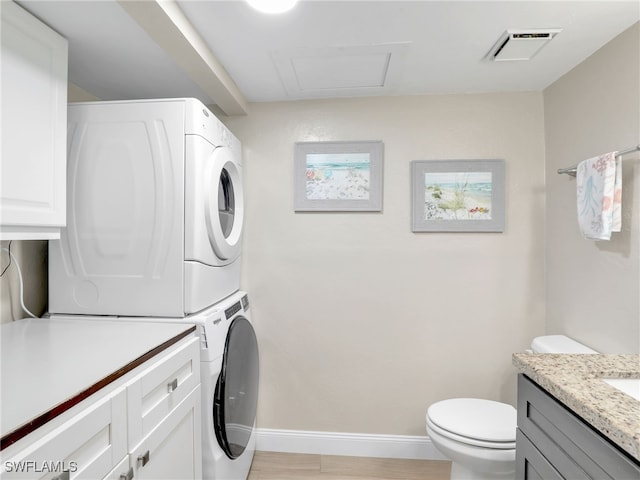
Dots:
pixel 558 344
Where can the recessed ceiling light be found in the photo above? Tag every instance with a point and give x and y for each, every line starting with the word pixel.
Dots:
pixel 272 6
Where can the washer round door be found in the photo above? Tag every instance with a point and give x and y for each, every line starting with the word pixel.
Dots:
pixel 224 205
pixel 236 395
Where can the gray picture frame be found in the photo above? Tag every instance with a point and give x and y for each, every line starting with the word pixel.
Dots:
pixel 338 176
pixel 458 195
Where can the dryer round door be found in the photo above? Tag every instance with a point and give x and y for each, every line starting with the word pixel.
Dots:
pixel 236 395
pixel 224 207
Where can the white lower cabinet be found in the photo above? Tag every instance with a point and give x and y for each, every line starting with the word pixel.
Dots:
pixel 84 447
pixel 172 449
pixel 146 427
pixel 163 404
pixel 159 389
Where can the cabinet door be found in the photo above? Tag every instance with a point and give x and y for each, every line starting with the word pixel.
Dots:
pixel 88 446
pixel 174 448
pixel 122 471
pixel 34 126
pixel 530 464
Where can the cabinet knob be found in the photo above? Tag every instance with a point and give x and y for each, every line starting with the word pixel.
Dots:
pixel 128 475
pixel 143 459
pixel 171 386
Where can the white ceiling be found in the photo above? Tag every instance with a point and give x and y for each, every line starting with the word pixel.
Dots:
pixel 334 48
pixel 447 40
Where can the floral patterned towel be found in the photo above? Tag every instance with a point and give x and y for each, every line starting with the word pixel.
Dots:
pixel 599 186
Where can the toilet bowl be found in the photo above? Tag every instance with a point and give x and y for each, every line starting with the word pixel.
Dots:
pixel 479 436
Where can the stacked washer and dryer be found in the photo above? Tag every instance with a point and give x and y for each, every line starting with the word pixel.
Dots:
pixel 154 232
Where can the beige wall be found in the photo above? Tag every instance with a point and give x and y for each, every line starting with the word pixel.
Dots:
pixel 32 258
pixel 361 322
pixel 593 288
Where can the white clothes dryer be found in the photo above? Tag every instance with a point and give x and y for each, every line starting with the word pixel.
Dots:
pixel 154 211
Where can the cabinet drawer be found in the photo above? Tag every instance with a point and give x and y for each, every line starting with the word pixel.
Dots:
pixel 88 446
pixel 160 388
pixel 574 448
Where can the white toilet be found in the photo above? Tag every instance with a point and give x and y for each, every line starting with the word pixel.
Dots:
pixel 479 436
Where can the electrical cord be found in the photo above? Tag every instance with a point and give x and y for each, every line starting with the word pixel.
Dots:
pixel 11 257
pixel 8 264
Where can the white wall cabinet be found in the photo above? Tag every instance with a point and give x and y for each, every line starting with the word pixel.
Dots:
pixel 34 127
pixel 145 427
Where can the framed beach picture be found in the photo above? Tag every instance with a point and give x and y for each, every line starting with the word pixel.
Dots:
pixel 338 176
pixel 458 195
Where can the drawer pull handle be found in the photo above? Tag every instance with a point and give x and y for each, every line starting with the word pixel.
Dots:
pixel 63 476
pixel 128 475
pixel 173 385
pixel 143 459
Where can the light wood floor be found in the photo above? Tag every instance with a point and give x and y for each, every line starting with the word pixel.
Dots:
pixel 294 466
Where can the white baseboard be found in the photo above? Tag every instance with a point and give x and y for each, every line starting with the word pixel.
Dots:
pixel 349 444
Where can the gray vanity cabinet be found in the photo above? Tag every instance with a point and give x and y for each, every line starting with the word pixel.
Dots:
pixel 554 443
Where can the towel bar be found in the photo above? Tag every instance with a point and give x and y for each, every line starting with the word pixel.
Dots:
pixel 572 170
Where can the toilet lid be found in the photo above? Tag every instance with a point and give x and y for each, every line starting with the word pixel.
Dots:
pixel 475 418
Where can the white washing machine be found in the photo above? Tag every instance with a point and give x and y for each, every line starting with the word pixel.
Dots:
pixel 154 211
pixel 230 369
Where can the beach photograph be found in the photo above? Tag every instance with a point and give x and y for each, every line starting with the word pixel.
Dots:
pixel 338 176
pixel 457 195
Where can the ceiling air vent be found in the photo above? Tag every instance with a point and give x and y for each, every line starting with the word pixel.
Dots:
pixel 521 44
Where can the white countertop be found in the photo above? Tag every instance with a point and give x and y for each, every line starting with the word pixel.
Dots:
pixel 45 362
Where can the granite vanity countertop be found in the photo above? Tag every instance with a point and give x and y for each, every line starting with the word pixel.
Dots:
pixel 576 381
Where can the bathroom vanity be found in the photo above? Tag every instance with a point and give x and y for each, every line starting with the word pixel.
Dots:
pixel 572 423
